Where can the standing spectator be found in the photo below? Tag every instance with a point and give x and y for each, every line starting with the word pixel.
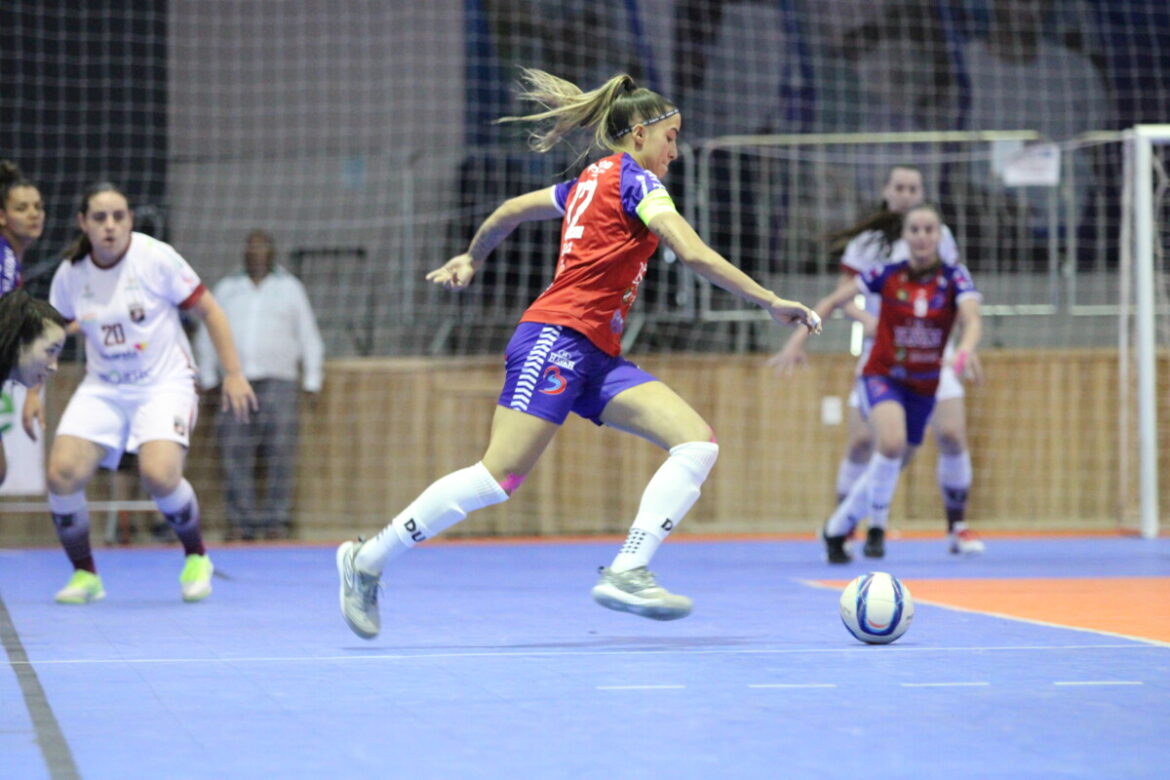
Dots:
pixel 277 336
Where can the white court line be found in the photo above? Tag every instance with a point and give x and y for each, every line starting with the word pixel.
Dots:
pixel 793 685
pixel 1098 682
pixel 858 648
pixel 946 685
pixel 1047 624
pixel 639 687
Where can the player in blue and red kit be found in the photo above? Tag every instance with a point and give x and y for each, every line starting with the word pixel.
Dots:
pixel 922 298
pixel 565 354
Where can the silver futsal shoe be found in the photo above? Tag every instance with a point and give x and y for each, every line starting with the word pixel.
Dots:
pixel 359 593
pixel 637 591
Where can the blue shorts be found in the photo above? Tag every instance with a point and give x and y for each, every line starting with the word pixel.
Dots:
pixel 551 370
pixel 873 389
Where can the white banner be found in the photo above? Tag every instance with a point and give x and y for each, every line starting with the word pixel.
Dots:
pixel 26 458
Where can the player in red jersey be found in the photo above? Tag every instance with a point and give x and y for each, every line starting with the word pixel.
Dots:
pixel 565 353
pixel 922 298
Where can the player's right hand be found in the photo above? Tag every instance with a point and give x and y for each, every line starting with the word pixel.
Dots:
pixel 33 413
pixel 455 274
pixel 787 360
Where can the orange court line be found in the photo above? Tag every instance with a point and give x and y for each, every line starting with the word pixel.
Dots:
pixel 1136 607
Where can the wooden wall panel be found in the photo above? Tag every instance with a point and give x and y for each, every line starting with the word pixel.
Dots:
pixel 1045 442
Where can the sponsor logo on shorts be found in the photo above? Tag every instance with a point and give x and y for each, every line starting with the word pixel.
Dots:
pixel 556 383
pixel 180 426
pixel 563 359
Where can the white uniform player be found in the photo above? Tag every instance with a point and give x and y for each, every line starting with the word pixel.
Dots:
pixel 140 376
pixel 123 291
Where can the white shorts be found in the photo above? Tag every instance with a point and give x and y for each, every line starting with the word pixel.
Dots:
pixel 949 387
pixel 121 418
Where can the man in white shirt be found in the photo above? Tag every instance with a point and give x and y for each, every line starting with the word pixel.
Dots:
pixel 279 343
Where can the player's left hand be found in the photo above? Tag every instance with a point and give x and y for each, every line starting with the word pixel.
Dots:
pixel 455 274
pixel 968 368
pixel 238 397
pixel 795 313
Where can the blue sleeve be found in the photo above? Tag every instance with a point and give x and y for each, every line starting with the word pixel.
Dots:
pixel 637 183
pixel 561 193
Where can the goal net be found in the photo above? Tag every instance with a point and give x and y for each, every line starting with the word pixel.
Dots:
pixel 360 136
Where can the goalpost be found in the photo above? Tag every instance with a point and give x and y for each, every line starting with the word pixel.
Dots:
pixel 1145 150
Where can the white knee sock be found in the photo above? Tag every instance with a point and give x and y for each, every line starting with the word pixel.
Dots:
pixel 447 501
pixel 669 495
pixel 847 475
pixel 883 479
pixel 954 481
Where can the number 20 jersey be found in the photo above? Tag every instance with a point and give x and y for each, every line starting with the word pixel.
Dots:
pixel 605 246
pixel 129 313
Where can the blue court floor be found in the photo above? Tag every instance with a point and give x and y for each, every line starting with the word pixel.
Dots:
pixel 494 662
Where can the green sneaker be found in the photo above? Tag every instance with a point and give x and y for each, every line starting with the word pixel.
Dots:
pixel 637 592
pixel 195 581
pixel 84 587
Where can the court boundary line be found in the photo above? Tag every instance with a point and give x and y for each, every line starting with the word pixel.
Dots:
pixel 1017 618
pixel 858 648
pixel 50 738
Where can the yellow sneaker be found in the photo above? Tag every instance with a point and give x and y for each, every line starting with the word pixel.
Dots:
pixel 195 581
pixel 84 587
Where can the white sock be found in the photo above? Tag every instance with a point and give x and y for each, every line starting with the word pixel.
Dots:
pixel 851 509
pixel 669 495
pixel 883 479
pixel 954 479
pixel 448 500
pixel 847 475
pixel 183 495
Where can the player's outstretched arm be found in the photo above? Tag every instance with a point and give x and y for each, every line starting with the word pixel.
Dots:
pixel 682 239
pixel 967 365
pixel 457 273
pixel 792 354
pixel 238 396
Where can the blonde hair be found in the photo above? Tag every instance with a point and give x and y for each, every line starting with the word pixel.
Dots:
pixel 610 111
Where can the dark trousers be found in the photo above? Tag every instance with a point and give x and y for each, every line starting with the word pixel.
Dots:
pixel 267 440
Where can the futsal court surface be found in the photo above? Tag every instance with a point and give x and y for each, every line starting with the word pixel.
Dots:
pixel 1046 657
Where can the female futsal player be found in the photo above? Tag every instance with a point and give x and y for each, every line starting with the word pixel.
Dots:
pixel 869 244
pixel 921 299
pixel 124 291
pixel 565 354
pixel 32 334
pixel 22 221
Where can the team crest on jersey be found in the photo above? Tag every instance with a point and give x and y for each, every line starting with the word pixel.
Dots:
pixel 902 295
pixel 137 312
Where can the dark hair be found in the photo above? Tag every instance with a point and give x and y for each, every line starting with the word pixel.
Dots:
pixel 22 320
pixel 881 220
pixel 11 177
pixel 80 246
pixel 610 111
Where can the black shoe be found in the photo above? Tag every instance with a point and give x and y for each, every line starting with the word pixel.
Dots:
pixel 835 548
pixel 875 543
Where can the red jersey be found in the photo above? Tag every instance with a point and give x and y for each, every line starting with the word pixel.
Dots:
pixel 917 314
pixel 605 247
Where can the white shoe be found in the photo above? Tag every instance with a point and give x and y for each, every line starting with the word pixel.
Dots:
pixel 965 542
pixel 359 593
pixel 637 592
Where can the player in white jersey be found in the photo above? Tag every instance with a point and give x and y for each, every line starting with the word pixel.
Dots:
pixel 123 291
pixel 873 242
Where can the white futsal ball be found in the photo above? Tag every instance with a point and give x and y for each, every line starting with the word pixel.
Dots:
pixel 876 608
